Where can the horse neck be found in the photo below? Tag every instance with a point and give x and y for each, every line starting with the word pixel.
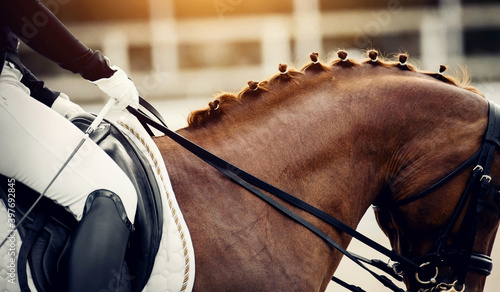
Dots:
pixel 336 144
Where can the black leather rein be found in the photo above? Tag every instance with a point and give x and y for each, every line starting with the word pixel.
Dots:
pixel 255 186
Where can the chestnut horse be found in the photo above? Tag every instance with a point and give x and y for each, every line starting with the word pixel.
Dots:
pixel 341 137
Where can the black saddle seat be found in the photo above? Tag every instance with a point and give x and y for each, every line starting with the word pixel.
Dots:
pixel 48 228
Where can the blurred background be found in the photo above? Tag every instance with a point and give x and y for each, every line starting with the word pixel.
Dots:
pixel 181 52
pixel 183 49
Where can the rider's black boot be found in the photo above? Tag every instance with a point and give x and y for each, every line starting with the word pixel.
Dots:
pixel 97 253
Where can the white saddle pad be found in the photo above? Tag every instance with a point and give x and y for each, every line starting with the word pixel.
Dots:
pixel 174 267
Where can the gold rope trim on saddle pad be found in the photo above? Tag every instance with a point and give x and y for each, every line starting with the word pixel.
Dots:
pixel 169 200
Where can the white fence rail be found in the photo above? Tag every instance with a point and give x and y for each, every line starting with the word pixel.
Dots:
pixel 281 38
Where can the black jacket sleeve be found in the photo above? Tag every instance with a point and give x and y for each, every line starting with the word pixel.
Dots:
pixel 37 88
pixel 38 27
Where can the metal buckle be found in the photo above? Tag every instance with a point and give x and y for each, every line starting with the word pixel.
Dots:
pixel 478 167
pixel 397 269
pixel 487 177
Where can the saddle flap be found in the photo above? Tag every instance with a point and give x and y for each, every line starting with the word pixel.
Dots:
pixel 145 240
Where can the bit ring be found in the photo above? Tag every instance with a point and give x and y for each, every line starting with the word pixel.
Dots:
pixel 431 280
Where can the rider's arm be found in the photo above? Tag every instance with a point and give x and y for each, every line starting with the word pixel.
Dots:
pixel 37 88
pixel 42 31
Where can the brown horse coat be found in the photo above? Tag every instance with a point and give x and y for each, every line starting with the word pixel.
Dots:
pixel 340 137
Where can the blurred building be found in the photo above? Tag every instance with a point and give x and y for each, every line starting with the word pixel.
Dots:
pixel 193 48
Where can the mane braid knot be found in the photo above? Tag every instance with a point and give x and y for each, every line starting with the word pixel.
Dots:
pixel 315 66
pixel 283 68
pixel 344 60
pixel 256 91
pixel 342 55
pixel 403 59
pixel 314 57
pixel 373 55
pixel 214 105
pixel 253 85
pixel 442 68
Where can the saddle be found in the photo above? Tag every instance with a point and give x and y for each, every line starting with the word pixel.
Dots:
pixel 47 230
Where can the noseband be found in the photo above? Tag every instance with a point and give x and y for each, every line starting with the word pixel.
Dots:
pixel 445 269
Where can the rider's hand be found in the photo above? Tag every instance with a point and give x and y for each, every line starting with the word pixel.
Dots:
pixel 65 107
pixel 121 88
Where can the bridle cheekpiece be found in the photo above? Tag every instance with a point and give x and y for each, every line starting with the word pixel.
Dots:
pixel 446 267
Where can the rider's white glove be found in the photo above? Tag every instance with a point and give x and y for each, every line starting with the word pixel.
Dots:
pixel 65 107
pixel 119 87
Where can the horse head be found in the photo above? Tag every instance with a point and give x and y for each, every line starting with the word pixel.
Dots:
pixel 447 224
pixel 438 233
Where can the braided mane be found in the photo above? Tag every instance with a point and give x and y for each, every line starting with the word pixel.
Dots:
pixel 257 90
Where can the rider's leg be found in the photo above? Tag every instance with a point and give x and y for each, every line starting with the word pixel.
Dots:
pixel 36 141
pixel 96 256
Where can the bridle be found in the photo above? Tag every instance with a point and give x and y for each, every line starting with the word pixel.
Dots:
pixel 427 270
pixel 446 267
